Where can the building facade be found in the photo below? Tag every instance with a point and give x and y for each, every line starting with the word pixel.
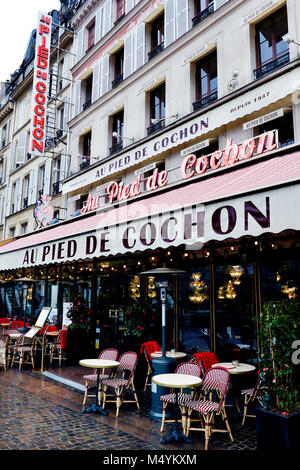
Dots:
pixel 181 149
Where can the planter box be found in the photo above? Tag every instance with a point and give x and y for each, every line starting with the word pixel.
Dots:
pixel 277 432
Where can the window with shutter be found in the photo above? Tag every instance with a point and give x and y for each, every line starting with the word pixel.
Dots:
pixel 107 16
pixel 157 108
pixel 206 80
pixel 182 17
pixel 80 39
pixel 77 107
pixel 21 149
pixel 91 35
pixel 203 8
pixel 117 132
pixel 118 59
pixel 169 22
pixel 157 35
pixel 98 25
pixel 128 55
pixel 120 10
pixel 140 45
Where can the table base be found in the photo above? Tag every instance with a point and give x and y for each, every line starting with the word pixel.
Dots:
pixel 176 436
pixel 95 409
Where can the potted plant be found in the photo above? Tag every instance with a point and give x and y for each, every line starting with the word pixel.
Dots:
pixel 278 421
pixel 137 319
pixel 78 339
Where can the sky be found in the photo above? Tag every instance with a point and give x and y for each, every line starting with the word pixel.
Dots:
pixel 17 19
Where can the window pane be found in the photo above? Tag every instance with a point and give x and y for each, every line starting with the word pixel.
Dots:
pixel 235 328
pixel 194 317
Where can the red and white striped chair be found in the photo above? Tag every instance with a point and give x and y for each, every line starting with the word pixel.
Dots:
pixel 120 383
pixel 187 368
pixel 214 385
pixel 110 354
pixel 250 394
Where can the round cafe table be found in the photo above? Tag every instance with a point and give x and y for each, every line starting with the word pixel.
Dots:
pixel 235 370
pixel 174 355
pixel 176 381
pixel 97 364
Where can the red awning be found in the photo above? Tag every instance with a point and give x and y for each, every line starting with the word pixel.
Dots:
pixel 266 174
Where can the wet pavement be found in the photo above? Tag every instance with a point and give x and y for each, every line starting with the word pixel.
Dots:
pixel 39 413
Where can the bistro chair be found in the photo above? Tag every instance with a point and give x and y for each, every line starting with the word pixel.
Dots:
pixel 24 347
pixel 4 341
pixel 110 354
pixel 250 395
pixel 120 383
pixel 187 368
pixel 55 350
pixel 205 359
pixel 148 348
pixel 211 403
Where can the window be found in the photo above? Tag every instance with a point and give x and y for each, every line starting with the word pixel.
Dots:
pixel 118 67
pixel 87 87
pixel 56 176
pixel 26 192
pixel 42 179
pixel 120 10
pixel 86 150
pixel 91 35
pixel 271 51
pixel 24 228
pixel 285 128
pixel 12 232
pixel 4 136
pixel 206 80
pixel 61 121
pixel 157 109
pixel 203 8
pixel 117 132
pixel 157 36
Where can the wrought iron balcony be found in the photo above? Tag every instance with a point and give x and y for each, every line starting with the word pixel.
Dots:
pixel 272 65
pixel 157 50
pixel 59 133
pixel 204 14
pixel 86 104
pixel 118 80
pixel 116 148
pixel 56 189
pixel 156 127
pixel 206 100
pixel 84 165
pixel 119 19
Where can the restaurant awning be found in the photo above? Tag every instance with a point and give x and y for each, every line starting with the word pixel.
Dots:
pixel 252 200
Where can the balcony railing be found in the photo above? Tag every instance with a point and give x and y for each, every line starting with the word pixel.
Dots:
pixel 84 165
pixel 206 100
pixel 116 148
pixel 56 189
pixel 271 66
pixel 86 104
pixel 119 19
pixel 3 143
pixel 157 50
pixel 156 127
pixel 59 133
pixel 25 202
pixel 204 14
pixel 118 80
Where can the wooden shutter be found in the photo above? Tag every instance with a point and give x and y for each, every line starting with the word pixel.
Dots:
pixel 107 17
pixel 63 169
pixel 98 23
pixel 18 195
pixel 96 82
pixel 79 47
pixel 64 71
pixel 128 55
pixel 12 156
pixel 8 200
pixel 182 9
pixel 20 158
pixel 77 100
pixel 169 22
pixel 7 132
pixel 140 45
pixel 129 4
pixel 3 169
pixel 47 181
pixel 105 75
pixel 1 209
pixel 33 194
pixel 219 3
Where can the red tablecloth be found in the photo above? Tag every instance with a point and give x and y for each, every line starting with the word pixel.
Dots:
pixel 63 336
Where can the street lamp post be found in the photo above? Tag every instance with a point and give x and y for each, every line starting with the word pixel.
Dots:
pixel 163 364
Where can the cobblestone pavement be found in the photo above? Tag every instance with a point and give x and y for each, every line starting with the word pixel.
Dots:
pixel 38 413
